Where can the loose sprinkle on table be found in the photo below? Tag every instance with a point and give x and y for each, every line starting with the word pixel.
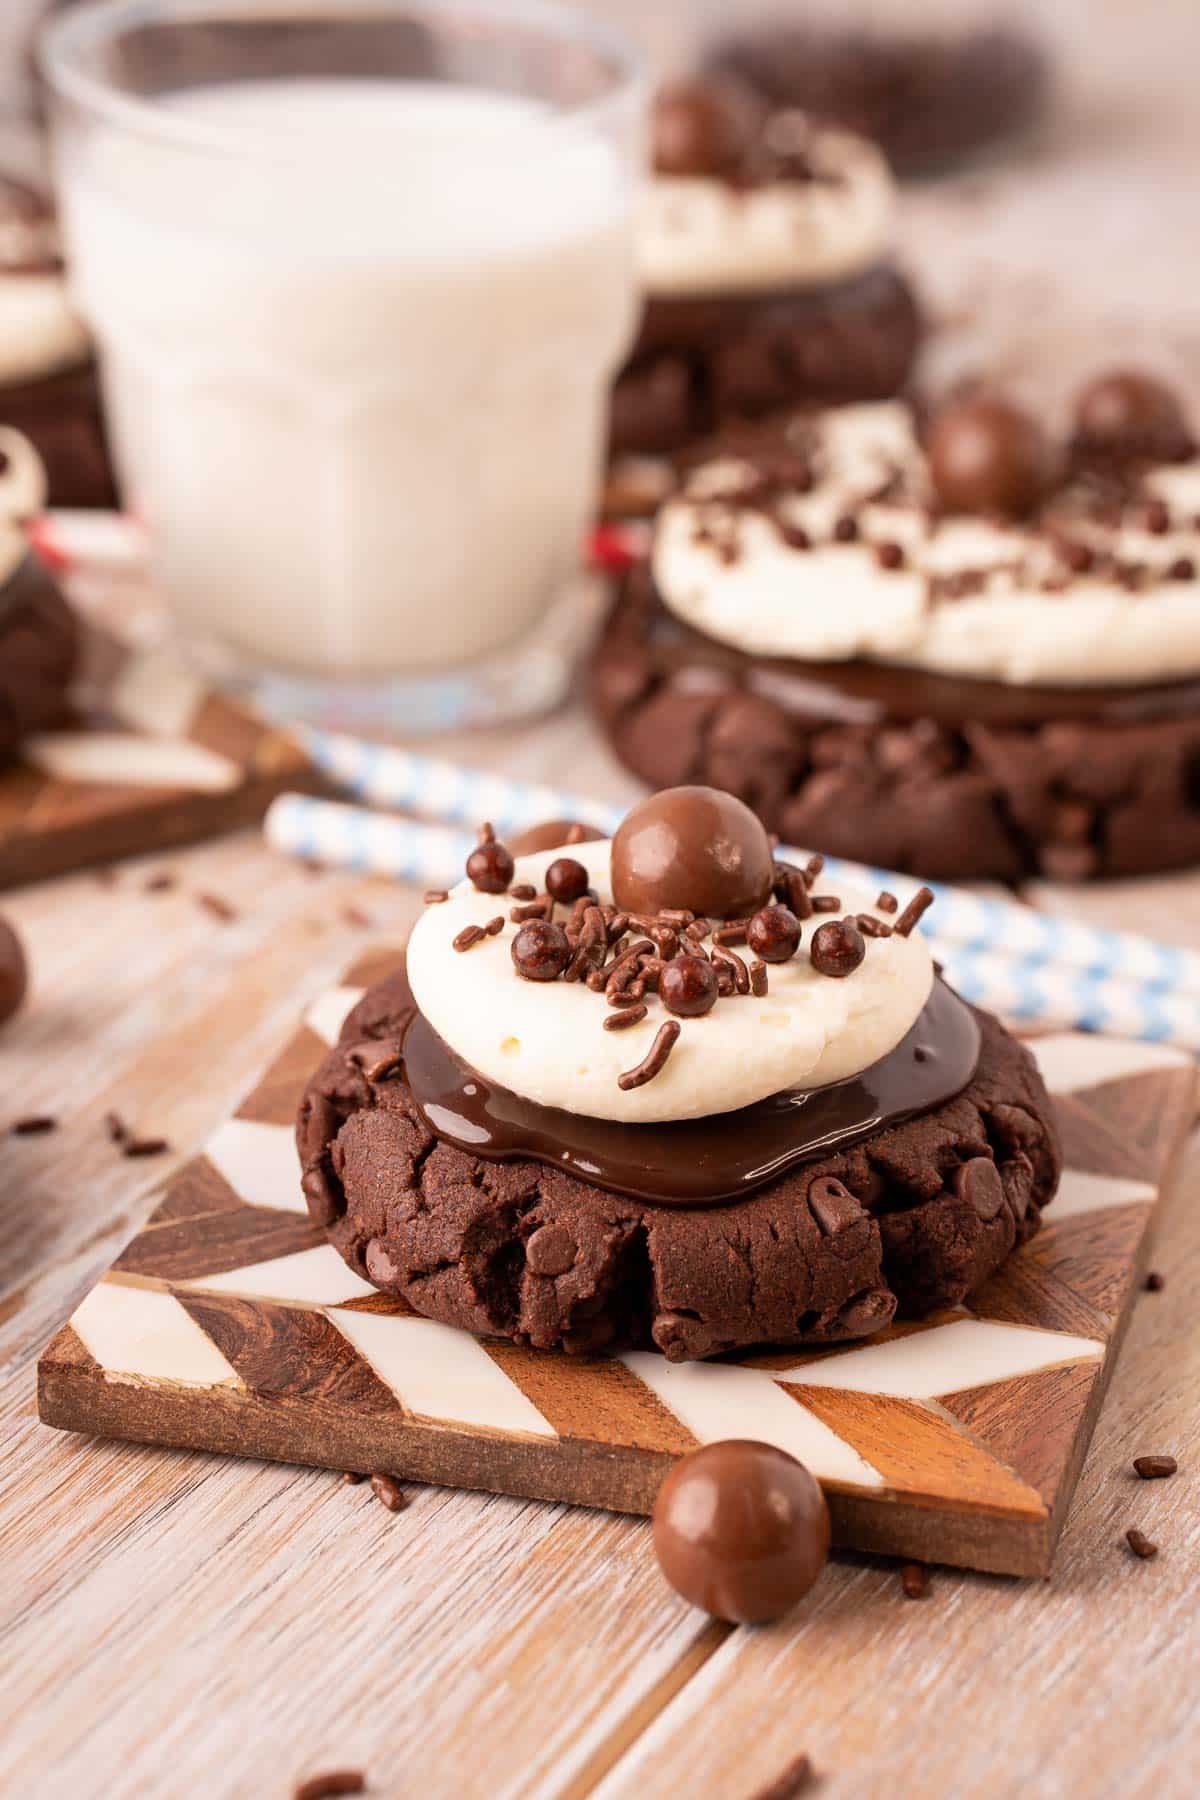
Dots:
pixel 914 1578
pixel 798 1776
pixel 140 1147
pixel 1155 1283
pixel 35 1126
pixel 1155 1468
pixel 388 1492
pixel 1140 1544
pixel 331 1784
pixel 218 908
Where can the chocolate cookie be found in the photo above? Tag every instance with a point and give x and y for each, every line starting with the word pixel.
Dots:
pixel 929 100
pixel 700 362
pixel 49 388
pixel 38 649
pixel 947 777
pixel 914 1217
pixel 62 416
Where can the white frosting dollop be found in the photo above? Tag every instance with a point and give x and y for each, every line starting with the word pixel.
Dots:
pixel 699 235
pixel 729 572
pixel 39 333
pixel 546 1040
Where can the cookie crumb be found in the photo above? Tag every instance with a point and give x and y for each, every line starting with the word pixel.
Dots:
pixel 795 1779
pixel 330 1784
pixel 1140 1544
pixel 914 1578
pixel 1155 1468
pixel 388 1491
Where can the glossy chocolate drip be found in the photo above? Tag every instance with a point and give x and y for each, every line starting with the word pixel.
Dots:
pixel 697 1162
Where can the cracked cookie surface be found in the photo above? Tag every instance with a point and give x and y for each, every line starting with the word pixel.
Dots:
pixel 912 1219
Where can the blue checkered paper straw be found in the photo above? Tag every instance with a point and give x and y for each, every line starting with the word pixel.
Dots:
pixel 350 837
pixel 441 790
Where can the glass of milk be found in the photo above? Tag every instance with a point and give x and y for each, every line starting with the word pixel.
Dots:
pixel 360 273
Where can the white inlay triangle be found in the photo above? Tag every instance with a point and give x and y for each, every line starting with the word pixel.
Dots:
pixel 720 1400
pixel 141 1331
pixel 1071 1060
pixel 124 759
pixel 966 1353
pixel 156 693
pixel 259 1162
pixel 441 1373
pixel 318 1276
pixel 1079 1193
pixel 327 1014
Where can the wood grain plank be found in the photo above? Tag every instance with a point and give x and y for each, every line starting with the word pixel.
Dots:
pixel 987 1689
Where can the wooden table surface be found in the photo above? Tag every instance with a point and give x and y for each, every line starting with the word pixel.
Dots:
pixel 175 1624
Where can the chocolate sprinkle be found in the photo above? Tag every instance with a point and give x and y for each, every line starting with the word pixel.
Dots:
pixel 1155 1283
pixel 1155 1468
pixel 798 1776
pixel 388 1492
pixel 618 1021
pixel 655 1059
pixel 524 890
pixel 435 896
pixel 331 1784
pixel 1140 1544
pixel 469 936
pixel 142 1147
pixel 914 1578
pixel 116 1127
pixel 36 1125
pixel 220 909
pixel 887 903
pixel 916 909
pixel 823 903
pixel 758 979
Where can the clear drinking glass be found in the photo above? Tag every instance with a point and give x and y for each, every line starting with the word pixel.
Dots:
pixel 360 274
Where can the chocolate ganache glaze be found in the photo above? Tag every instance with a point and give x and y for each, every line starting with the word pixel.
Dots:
pixel 696 1162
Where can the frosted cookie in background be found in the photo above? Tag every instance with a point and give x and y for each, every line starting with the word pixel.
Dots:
pixel 765 253
pixel 931 91
pixel 962 643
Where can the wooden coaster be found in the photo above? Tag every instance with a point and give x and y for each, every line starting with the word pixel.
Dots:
pixel 230 1324
pixel 157 760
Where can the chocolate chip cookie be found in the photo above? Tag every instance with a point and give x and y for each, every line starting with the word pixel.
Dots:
pixel 910 1219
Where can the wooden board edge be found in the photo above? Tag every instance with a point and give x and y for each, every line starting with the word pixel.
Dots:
pixel 563 1471
pixel 171 822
